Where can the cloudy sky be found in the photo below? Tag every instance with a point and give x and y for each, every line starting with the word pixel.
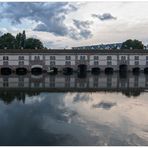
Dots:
pixel 66 25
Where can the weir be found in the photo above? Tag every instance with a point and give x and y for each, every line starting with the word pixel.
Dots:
pixel 80 61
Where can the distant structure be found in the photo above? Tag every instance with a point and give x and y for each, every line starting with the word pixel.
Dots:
pixel 101 46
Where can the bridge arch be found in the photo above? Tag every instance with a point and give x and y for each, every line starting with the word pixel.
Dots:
pixel 146 70
pixel 21 70
pixel 109 70
pixel 36 69
pixel 136 70
pixel 6 71
pixel 95 70
pixel 67 70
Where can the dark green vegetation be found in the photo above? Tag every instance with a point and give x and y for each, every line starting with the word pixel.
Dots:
pixel 132 44
pixel 19 42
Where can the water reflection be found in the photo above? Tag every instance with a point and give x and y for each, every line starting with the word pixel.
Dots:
pixel 104 105
pixel 16 87
pixel 67 110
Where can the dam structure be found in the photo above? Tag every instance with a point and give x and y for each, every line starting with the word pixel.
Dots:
pixel 69 60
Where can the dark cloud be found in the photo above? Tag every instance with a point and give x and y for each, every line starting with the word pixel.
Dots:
pixel 82 30
pixel 49 16
pixel 81 98
pixel 82 24
pixel 85 34
pixel 104 105
pixel 104 16
pixel 73 33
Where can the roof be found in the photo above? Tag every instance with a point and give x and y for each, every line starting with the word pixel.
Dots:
pixel 73 51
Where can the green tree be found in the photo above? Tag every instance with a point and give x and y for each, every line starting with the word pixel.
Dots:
pixel 20 40
pixel 132 44
pixel 7 41
pixel 32 43
pixel 10 42
pixel 23 39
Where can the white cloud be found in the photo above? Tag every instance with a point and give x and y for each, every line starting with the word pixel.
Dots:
pixel 131 22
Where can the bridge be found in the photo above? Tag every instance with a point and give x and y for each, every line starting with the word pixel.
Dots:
pixel 72 60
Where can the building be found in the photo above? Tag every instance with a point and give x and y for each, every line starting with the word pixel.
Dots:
pixel 76 60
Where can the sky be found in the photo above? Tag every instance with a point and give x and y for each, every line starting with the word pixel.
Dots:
pixel 72 24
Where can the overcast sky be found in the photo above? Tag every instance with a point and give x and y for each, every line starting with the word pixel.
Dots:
pixel 66 25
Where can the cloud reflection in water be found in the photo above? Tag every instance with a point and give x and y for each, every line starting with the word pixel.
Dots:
pixel 65 119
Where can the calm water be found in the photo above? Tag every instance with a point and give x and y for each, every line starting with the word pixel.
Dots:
pixel 67 110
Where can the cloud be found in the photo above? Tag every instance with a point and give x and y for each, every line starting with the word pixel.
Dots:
pixel 85 34
pixel 81 30
pixel 81 98
pixel 104 16
pixel 56 26
pixel 56 44
pixel 82 24
pixel 49 17
pixel 104 105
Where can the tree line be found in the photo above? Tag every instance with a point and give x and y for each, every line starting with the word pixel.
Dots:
pixel 19 41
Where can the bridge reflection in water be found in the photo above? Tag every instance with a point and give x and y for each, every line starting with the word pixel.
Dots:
pixel 16 87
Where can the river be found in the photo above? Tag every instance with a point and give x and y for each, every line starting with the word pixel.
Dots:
pixel 58 110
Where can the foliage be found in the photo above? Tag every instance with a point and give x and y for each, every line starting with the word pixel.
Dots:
pixel 7 41
pixel 132 44
pixel 11 42
pixel 20 40
pixel 32 43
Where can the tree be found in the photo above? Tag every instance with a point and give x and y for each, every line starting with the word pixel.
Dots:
pixel 10 42
pixel 32 43
pixel 7 41
pixel 20 40
pixel 23 39
pixel 132 44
